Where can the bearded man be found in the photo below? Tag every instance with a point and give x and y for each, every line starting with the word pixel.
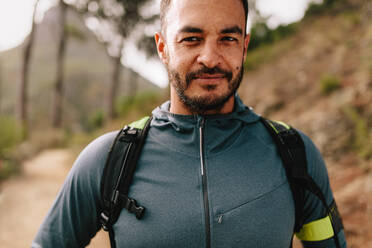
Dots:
pixel 209 173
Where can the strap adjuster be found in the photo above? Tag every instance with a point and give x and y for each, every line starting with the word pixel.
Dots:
pixel 104 219
pixel 132 207
pixel 128 203
pixel 129 134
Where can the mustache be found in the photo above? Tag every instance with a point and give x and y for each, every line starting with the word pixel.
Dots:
pixel 205 70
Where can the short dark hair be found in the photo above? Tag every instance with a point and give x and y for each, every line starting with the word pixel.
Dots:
pixel 165 4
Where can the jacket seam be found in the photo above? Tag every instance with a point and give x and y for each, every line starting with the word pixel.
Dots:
pixel 256 198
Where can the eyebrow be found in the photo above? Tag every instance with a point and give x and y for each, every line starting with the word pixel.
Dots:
pixel 232 30
pixel 229 30
pixel 190 29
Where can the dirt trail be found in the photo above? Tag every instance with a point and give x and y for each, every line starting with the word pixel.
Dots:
pixel 25 199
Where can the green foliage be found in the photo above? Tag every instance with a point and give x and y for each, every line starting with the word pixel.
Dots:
pixel 143 102
pixel 362 138
pixel 329 83
pixel 261 34
pixel 75 32
pixel 95 121
pixel 260 46
pixel 8 167
pixel 316 9
pixel 267 53
pixel 10 135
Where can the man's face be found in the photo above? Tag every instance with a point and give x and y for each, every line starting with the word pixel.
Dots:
pixel 203 47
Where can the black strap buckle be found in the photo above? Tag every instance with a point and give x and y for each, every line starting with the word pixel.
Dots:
pixel 128 203
pixel 132 207
pixel 129 134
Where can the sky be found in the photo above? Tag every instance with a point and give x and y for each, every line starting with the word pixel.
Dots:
pixel 15 25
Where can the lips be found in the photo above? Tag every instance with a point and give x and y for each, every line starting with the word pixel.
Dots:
pixel 208 76
pixel 211 76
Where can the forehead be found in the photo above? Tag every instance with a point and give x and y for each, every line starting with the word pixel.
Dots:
pixel 208 15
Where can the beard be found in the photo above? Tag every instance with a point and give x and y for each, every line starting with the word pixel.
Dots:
pixel 202 104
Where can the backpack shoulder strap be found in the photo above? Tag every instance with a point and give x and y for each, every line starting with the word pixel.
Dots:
pixel 118 173
pixel 282 135
pixel 291 149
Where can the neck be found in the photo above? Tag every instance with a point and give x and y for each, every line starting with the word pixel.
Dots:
pixel 178 107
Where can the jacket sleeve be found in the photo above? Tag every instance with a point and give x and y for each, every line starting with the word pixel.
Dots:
pixel 314 209
pixel 72 221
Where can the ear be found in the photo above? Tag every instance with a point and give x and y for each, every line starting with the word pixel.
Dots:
pixel 246 43
pixel 161 47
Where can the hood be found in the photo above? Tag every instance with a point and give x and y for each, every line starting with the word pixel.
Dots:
pixel 162 116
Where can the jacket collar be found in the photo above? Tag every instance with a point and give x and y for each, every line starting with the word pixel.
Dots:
pixel 163 117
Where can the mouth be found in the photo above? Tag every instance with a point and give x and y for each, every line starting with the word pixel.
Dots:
pixel 210 78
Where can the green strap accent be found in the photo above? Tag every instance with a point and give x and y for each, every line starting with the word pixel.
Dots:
pixel 316 230
pixel 280 123
pixel 140 124
pixel 283 124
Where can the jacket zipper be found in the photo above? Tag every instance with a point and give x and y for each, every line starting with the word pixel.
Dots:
pixel 205 186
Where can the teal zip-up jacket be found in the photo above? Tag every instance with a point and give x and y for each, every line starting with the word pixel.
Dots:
pixel 206 181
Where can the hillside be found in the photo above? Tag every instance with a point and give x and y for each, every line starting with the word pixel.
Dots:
pixel 87 73
pixel 288 87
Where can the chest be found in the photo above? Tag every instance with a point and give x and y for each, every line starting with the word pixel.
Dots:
pixel 248 198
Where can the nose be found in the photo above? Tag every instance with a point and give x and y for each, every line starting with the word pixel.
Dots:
pixel 210 55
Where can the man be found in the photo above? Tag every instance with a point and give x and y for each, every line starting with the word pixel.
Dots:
pixel 209 174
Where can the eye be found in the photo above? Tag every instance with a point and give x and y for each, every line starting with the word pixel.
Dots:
pixel 191 39
pixel 229 38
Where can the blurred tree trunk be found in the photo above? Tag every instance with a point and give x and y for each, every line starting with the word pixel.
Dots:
pixel 58 87
pixel 22 103
pixel 114 84
pixel 133 84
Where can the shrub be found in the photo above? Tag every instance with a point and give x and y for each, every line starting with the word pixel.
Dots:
pixel 10 134
pixel 362 143
pixel 95 121
pixel 315 9
pixel 261 34
pixel 8 167
pixel 143 102
pixel 75 32
pixel 329 83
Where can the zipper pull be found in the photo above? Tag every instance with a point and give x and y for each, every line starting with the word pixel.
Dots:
pixel 201 122
pixel 220 219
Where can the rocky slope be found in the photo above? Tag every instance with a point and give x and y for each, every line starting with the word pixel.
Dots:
pixel 336 45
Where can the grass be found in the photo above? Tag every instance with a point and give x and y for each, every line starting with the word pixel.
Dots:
pixel 144 101
pixel 10 136
pixel 362 137
pixel 329 84
pixel 13 151
pixel 266 53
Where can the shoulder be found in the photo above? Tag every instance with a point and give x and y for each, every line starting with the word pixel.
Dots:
pixel 91 161
pixel 97 149
pixel 315 163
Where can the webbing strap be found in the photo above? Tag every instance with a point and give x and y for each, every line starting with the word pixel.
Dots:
pixel 292 151
pixel 316 230
pixel 118 173
pixel 112 237
pixel 278 133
